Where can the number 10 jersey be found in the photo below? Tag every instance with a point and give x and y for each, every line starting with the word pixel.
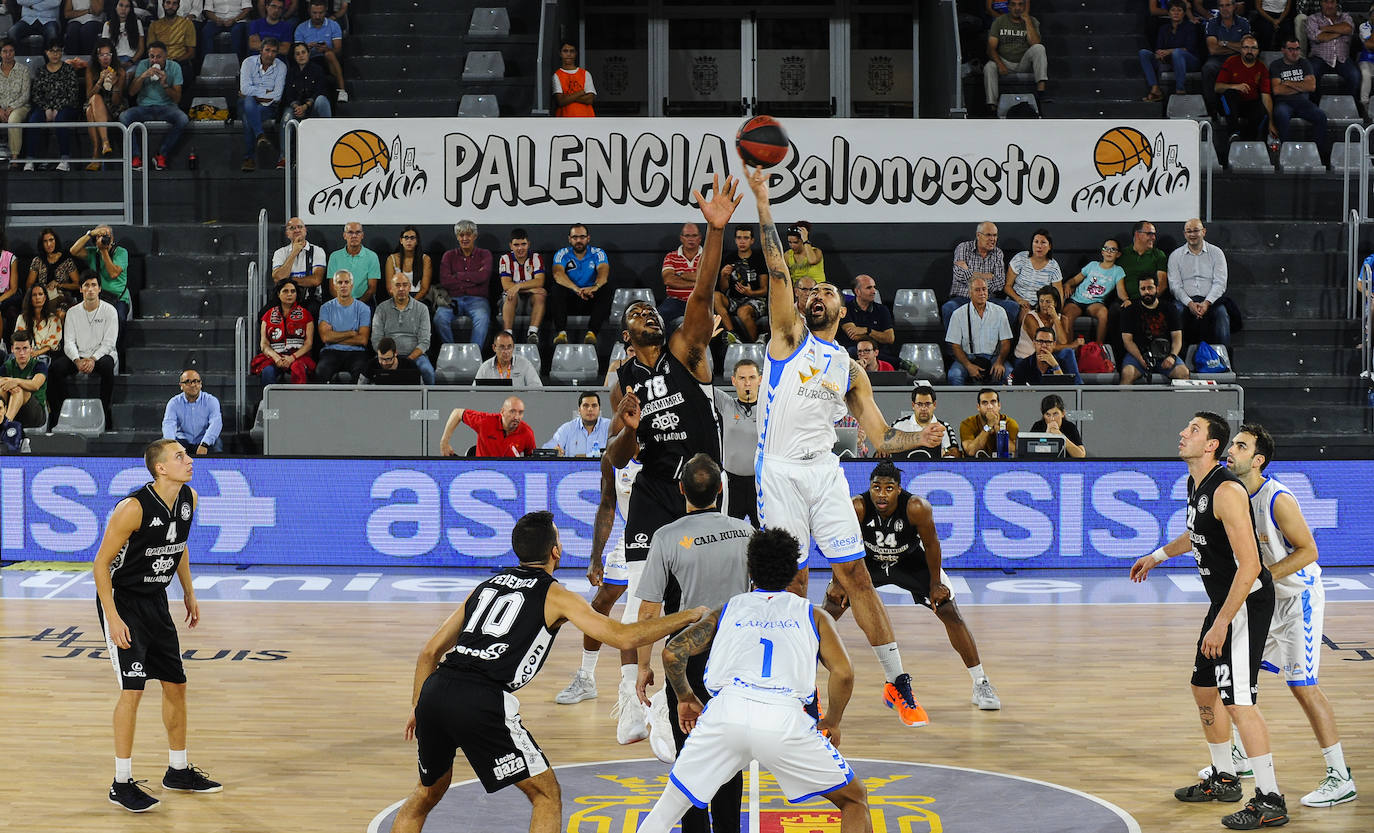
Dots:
pixel 504 638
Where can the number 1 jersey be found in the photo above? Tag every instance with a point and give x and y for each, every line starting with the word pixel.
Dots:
pixel 766 644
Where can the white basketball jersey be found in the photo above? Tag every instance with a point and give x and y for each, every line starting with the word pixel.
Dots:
pixel 766 644
pixel 624 482
pixel 1273 547
pixel 803 398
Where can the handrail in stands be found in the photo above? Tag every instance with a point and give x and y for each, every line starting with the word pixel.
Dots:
pixel 240 372
pixel 958 57
pixel 548 11
pixel 1204 137
pixel 1361 136
pixel 262 247
pixel 290 136
pixel 127 216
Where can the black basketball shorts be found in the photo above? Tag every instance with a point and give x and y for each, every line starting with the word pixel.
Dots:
pixel 911 576
pixel 654 503
pixel 1235 673
pixel 154 651
pixel 460 711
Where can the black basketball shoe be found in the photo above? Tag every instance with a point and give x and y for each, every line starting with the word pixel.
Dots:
pixel 1215 787
pixel 1264 810
pixel 131 797
pixel 189 780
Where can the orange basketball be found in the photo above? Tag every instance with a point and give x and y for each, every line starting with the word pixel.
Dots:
pixel 357 152
pixel 762 141
pixel 1121 149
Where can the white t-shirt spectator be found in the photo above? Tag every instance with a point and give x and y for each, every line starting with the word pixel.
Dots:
pixel 1029 279
pixel 305 262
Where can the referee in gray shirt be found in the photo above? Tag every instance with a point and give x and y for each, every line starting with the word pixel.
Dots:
pixel 704 553
pixel 739 441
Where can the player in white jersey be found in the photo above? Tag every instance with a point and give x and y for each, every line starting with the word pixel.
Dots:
pixel 1293 650
pixel 809 383
pixel 610 579
pixel 761 670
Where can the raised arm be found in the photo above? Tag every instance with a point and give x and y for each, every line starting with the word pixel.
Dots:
pixel 786 325
pixel 689 341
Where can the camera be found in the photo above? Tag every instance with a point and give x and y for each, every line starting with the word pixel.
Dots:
pixel 102 240
pixel 794 231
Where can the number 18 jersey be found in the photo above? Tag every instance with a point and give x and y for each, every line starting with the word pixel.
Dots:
pixel 766 644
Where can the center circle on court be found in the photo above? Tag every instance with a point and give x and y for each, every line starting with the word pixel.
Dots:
pixel 616 795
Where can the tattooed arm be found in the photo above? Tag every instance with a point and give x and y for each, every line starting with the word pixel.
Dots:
pixel 786 324
pixel 692 641
pixel 861 405
pixel 605 521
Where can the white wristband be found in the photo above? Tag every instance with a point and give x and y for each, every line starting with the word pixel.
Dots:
pixel 1159 556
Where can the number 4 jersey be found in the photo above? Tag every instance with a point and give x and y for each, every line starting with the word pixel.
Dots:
pixel 150 557
pixel 504 638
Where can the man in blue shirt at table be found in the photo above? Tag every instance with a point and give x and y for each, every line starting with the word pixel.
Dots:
pixel 193 417
pixel 585 434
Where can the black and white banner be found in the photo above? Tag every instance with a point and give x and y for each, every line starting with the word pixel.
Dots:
pixel 535 171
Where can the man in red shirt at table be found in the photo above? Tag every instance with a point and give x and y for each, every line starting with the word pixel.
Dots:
pixel 498 435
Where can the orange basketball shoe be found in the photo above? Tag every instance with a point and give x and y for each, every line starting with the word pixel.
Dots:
pixel 898 695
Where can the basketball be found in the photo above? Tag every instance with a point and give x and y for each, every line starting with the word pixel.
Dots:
pixel 762 141
pixel 1121 149
pixel 357 152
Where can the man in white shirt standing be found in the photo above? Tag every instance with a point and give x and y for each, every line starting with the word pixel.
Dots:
pixel 88 347
pixel 304 261
pixel 1197 277
pixel 262 78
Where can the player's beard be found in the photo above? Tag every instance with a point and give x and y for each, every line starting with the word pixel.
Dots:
pixel 816 322
pixel 648 338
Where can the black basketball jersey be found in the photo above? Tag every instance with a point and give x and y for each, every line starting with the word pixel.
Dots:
pixel 504 639
pixel 1216 561
pixel 888 541
pixel 150 557
pixel 677 414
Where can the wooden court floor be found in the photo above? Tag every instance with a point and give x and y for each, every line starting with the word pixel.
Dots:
pixel 1094 698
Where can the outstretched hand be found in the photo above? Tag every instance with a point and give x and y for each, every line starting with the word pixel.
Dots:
pixel 758 182
pixel 721 206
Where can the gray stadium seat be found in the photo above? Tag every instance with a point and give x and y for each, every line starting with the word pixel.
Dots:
pixel 735 352
pixel 1006 101
pixel 1186 107
pixel 625 296
pixel 1269 56
pixel 531 352
pixel 930 365
pixel 618 351
pixel 1300 158
pixel 916 308
pixel 33 62
pixel 1340 111
pixel 484 66
pixel 1219 378
pixel 1104 378
pixel 1250 157
pixel 1207 153
pixel 479 107
pixel 220 69
pixel 457 364
pixel 574 364
pixel 489 23
pixel 81 416
pixel 1338 157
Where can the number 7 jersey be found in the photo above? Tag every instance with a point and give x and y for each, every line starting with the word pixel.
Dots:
pixel 504 639
pixel 765 647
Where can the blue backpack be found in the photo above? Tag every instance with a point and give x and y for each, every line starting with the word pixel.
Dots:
pixel 1208 360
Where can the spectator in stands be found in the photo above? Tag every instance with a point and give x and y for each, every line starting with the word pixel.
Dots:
pixel 225 16
pixel 1366 61
pixel 1223 34
pixel 345 332
pixel 56 97
pixel 410 260
pixel 522 284
pixel 1048 313
pixel 193 417
pixel 498 435
pixel 53 264
pixel 573 90
pixel 938 438
pixel 1329 33
pixel 272 24
pixel 803 259
pixel 1304 9
pixel 1152 336
pixel 37 17
pixel 88 347
pixel 11 299
pixel 303 262
pixel 864 317
pixel 979 257
pixel 1157 16
pixel 1176 45
pixel 466 273
pixel 104 90
pixel 286 336
pixel 177 34
pixel 126 32
pixel 1030 270
pixel 23 386
pixel 978 433
pixel 1243 85
pixel 156 86
pixel 360 261
pixel 323 36
pixel 387 368
pixel 290 10
pixel 580 275
pixel 1140 259
pixel 801 287
pixel 1046 366
pixel 867 350
pixel 1291 82
pixel 504 364
pixel 585 435
pixel 615 364
pixel 84 19
pixel 406 321
pixel 1197 274
pixel 1093 287
pixel 262 81
pixel 42 318
pixel 1272 23
pixel 14 96
pixel 1014 46
pixel 1053 420
pixel 109 262
pixel 307 90
pixel 980 338
pixel 743 288
pixel 680 274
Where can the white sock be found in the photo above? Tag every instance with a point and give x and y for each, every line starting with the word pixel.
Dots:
pixel 124 770
pixel 177 758
pixel 589 661
pixel 1335 759
pixel 976 672
pixel 1221 757
pixel 1265 779
pixel 890 659
pixel 629 674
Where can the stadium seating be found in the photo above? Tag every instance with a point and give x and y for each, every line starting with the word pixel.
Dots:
pixel 1300 158
pixel 1340 112
pixel 457 363
pixel 1249 157
pixel 1104 378
pixel 916 308
pixel 624 296
pixel 484 66
pixel 81 416
pixel 930 365
pixel 1186 107
pixel 489 23
pixel 735 352
pixel 531 352
pixel 1220 378
pixel 574 364
pixel 479 107
pixel 1006 101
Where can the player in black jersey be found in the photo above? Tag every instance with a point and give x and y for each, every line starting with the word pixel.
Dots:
pixel 143 547
pixel 1221 535
pixel 901 548
pixel 496 643
pixel 669 386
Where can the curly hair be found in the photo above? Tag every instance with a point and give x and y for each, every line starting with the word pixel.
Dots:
pixel 772 555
